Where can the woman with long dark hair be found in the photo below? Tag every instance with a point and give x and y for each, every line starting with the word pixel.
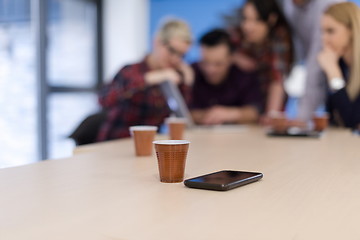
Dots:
pixel 263 44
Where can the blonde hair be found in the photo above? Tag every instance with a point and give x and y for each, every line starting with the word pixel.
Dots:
pixel 174 28
pixel 348 14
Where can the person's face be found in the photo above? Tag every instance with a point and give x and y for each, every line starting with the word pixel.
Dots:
pixel 170 54
pixel 215 63
pixel 255 30
pixel 335 35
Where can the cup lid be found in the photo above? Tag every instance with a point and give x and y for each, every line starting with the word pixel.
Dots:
pixel 175 120
pixel 171 142
pixel 143 128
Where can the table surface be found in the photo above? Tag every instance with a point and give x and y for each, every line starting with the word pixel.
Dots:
pixel 310 190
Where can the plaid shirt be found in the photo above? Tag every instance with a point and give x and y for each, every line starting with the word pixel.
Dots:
pixel 129 101
pixel 274 57
pixel 238 89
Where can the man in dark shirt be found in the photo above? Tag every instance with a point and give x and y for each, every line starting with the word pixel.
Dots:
pixel 222 93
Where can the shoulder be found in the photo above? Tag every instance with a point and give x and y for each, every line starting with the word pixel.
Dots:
pixel 135 68
pixel 195 66
pixel 281 34
pixel 324 4
pixel 131 71
pixel 235 70
pixel 197 70
pixel 242 77
pixel 199 77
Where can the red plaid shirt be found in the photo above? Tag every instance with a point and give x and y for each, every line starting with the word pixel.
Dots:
pixel 129 101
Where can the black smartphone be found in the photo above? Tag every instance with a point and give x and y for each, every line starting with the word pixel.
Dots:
pixel 356 132
pixel 223 180
pixel 295 133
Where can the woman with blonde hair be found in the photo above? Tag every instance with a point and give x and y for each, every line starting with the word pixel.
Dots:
pixel 340 61
pixel 134 96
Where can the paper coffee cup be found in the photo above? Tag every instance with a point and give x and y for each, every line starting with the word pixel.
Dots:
pixel 171 155
pixel 176 127
pixel 143 137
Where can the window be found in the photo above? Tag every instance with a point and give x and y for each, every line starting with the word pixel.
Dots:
pixel 71 63
pixel 72 69
pixel 17 84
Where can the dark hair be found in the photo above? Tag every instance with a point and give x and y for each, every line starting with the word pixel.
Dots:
pixel 266 8
pixel 217 37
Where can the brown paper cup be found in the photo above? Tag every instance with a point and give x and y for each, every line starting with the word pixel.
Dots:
pixel 143 137
pixel 176 128
pixel 171 155
pixel 321 122
pixel 279 123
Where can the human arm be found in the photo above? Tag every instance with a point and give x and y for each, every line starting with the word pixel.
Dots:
pixel 187 73
pixel 281 61
pixel 187 80
pixel 222 114
pixel 274 102
pixel 315 88
pixel 126 82
pixel 198 115
pixel 275 99
pixel 244 62
pixel 345 111
pixel 328 60
pixel 158 76
pixel 132 79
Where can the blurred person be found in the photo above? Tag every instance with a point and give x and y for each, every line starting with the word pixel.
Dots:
pixel 222 93
pixel 340 60
pixel 304 19
pixel 264 45
pixel 134 96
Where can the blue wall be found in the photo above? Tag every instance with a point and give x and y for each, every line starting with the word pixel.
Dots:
pixel 201 14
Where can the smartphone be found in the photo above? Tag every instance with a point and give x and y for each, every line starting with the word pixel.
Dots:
pixel 295 133
pixel 223 180
pixel 356 132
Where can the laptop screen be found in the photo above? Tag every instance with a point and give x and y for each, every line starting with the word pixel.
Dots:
pixel 176 102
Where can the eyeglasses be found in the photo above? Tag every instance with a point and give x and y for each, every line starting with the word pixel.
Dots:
pixel 173 51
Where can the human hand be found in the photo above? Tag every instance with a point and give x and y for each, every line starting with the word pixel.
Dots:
pixel 187 72
pixel 220 115
pixel 159 76
pixel 297 123
pixel 171 75
pixel 328 60
pixel 265 120
pixel 244 62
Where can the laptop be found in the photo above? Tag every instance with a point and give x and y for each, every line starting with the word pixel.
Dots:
pixel 178 107
pixel 176 102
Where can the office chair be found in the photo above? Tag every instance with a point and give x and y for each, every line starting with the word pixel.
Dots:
pixel 88 129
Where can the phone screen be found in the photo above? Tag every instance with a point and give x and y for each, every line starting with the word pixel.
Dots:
pixel 225 177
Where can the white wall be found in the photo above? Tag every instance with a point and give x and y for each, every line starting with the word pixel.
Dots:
pixel 126 24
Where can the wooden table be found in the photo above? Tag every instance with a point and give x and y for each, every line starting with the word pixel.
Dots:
pixel 310 190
